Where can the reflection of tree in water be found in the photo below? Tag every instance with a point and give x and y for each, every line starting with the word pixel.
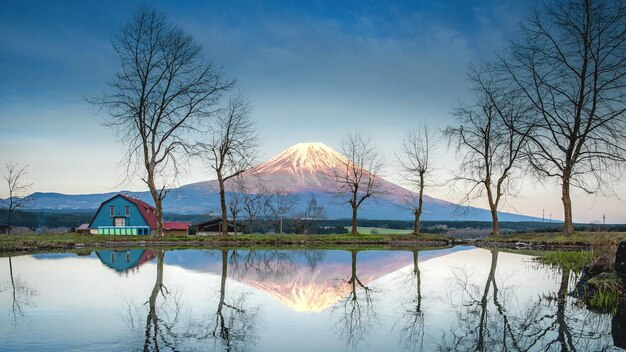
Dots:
pixel 161 320
pixel 549 323
pixel 233 326
pixel 357 316
pixel 412 323
pixel 481 329
pixel 160 325
pixel 555 322
pixel 272 264
pixel 313 257
pixel 166 329
pixel 22 294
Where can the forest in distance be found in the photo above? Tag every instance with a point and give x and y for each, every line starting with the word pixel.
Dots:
pixel 68 221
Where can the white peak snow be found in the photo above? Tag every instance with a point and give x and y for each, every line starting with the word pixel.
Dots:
pixel 303 158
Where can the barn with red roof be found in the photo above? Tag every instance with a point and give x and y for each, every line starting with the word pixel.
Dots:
pixel 125 215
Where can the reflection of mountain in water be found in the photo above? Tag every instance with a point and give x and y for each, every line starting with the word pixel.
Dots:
pixel 126 260
pixel 310 281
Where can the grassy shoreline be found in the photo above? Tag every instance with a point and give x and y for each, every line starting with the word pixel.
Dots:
pixel 31 243
pixel 548 241
pixel 552 239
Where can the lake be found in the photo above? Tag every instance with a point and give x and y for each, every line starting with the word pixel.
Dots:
pixel 461 298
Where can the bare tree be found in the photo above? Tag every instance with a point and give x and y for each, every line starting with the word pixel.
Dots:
pixel 490 143
pixel 252 206
pixel 313 212
pixel 231 148
pixel 277 205
pixel 158 98
pixel 414 158
pixel 570 66
pixel 357 178
pixel 235 205
pixel 17 189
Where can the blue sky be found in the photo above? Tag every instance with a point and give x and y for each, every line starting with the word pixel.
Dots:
pixel 314 71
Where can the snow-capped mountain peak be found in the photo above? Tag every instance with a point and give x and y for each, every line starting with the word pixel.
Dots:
pixel 302 159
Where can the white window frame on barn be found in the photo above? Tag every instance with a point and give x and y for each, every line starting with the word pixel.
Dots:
pixel 119 222
pixel 112 210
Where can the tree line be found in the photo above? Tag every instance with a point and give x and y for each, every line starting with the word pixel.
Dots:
pixel 551 105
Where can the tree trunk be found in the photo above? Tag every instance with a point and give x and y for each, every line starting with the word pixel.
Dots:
pixel 158 204
pixel 564 336
pixel 420 204
pixel 224 230
pixel 480 343
pixel 159 215
pixel 568 226
pixel 353 277
pixel 495 229
pixel 493 207
pixel 354 230
pixel 152 320
pixel 416 223
pixel 9 216
pixel 223 279
pixel 418 284
pixel 11 274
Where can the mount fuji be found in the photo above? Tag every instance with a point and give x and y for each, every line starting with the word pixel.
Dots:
pixel 302 170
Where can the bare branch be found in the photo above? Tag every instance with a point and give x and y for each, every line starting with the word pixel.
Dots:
pixel 357 177
pixel 162 94
pixel 17 190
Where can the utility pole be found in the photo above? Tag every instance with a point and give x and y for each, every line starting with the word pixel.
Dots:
pixel 281 225
pixel 543 215
pixel 550 217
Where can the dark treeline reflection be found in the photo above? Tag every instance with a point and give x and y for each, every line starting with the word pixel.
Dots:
pixel 489 318
pixel 473 311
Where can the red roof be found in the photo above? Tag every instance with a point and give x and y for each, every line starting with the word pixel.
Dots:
pixel 147 211
pixel 146 256
pixel 174 225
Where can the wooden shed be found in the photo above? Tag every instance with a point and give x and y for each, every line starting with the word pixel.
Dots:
pixel 214 226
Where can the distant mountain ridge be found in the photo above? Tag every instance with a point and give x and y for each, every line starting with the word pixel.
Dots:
pixel 303 170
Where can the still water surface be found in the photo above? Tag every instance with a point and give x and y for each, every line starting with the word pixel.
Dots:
pixel 462 298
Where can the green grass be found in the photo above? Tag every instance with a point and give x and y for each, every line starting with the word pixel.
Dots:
pixel 605 300
pixel 578 238
pixel 569 260
pixel 29 243
pixel 606 292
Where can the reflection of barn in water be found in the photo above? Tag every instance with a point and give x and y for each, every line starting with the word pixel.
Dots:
pixel 126 260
